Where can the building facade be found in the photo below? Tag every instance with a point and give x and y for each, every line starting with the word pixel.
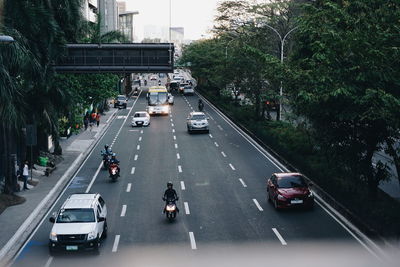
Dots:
pixel 126 25
pixel 108 12
pixel 90 9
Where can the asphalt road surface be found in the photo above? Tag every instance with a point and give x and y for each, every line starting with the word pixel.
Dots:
pixel 224 217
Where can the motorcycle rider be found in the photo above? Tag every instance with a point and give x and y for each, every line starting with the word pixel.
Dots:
pixel 201 105
pixel 170 193
pixel 107 150
pixel 113 161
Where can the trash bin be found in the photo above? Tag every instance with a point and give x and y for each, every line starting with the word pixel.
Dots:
pixel 43 161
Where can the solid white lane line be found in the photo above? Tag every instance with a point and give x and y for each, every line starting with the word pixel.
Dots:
pixel 192 240
pixel 210 135
pixel 94 177
pixel 278 235
pixel 216 144
pixel 179 168
pixel 174 137
pixel 136 157
pixel 116 241
pixel 257 204
pixel 172 125
pixel 178 156
pixel 133 170
pixel 173 130
pixel 230 165
pixel 176 146
pixel 123 211
pixel 223 154
pixel 138 147
pixel 140 139
pixel 244 185
pixel 183 185
pixel 187 210
pixel 128 187
pixel 49 261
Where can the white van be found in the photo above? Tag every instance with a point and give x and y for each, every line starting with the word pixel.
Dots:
pixel 80 224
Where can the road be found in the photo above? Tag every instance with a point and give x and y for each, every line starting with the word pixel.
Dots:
pixel 225 217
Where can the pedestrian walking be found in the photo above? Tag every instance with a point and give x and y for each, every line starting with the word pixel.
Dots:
pixel 25 174
pixel 86 122
pixel 98 119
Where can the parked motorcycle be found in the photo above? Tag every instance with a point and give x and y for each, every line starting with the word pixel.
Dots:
pixel 170 208
pixel 114 171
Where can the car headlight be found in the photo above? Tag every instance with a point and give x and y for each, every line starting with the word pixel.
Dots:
pixel 92 235
pixel 280 197
pixel 310 194
pixel 53 236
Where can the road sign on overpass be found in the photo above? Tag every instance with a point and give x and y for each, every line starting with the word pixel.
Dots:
pixel 117 58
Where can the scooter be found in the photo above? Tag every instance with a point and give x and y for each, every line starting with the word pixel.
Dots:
pixel 170 209
pixel 114 173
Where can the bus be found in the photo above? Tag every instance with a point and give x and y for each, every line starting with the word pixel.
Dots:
pixel 157 100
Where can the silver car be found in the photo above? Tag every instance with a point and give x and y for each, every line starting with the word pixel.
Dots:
pixel 197 121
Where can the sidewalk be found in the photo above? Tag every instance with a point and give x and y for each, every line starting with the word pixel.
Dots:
pixel 17 222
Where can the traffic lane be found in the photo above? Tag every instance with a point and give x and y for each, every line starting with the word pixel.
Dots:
pixel 254 176
pixel 37 247
pixel 156 166
pixel 124 145
pixel 221 211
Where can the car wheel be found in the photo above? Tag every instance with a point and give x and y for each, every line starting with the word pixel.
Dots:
pixel 52 251
pixel 105 229
pixel 96 248
pixel 276 204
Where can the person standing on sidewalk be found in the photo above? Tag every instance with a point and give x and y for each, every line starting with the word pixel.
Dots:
pixel 98 119
pixel 86 122
pixel 25 174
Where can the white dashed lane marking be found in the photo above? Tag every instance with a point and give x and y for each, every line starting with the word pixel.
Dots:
pixel 216 144
pixel 179 168
pixel 187 210
pixel 138 147
pixel 210 135
pixel 230 165
pixel 123 211
pixel 257 204
pixel 128 187
pixel 176 146
pixel 140 139
pixel 183 185
pixel 178 156
pixel 278 235
pixel 116 242
pixel 192 240
pixel 133 170
pixel 136 157
pixel 244 185
pixel 223 154
pixel 174 137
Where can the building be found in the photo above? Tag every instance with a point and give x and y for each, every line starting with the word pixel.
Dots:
pixel 108 11
pixel 155 32
pixel 177 35
pixel 121 7
pixel 126 25
pixel 90 9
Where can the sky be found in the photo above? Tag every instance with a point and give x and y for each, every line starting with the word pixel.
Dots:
pixel 196 16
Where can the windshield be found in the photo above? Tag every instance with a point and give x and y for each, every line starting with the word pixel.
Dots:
pixel 137 115
pixel 121 98
pixel 198 117
pixel 158 98
pixel 76 216
pixel 291 182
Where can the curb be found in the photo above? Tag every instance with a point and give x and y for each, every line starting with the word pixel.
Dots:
pixel 24 232
pixel 341 214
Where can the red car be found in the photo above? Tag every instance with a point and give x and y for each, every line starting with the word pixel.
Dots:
pixel 286 190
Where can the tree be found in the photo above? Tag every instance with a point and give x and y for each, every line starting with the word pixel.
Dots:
pixel 345 84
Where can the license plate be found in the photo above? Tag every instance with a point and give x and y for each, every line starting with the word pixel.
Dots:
pixel 296 201
pixel 71 248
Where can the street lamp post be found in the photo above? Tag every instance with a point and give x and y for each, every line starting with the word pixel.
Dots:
pixel 282 40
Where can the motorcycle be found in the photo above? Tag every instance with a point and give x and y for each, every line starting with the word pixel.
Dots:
pixel 114 172
pixel 170 208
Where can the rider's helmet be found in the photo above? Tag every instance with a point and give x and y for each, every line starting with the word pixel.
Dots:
pixel 169 185
pixel 113 155
pixel 106 147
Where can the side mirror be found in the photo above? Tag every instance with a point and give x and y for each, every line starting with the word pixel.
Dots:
pixel 52 219
pixel 101 219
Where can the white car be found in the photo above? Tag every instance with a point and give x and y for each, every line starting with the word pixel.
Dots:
pixel 197 121
pixel 80 224
pixel 141 118
pixel 170 99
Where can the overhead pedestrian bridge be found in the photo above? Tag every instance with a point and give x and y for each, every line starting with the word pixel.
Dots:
pixel 117 58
